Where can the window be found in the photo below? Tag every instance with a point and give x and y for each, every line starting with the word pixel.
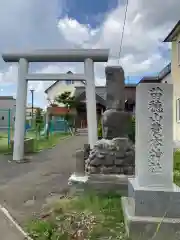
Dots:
pixel 2 118
pixel 69 82
pixel 178 110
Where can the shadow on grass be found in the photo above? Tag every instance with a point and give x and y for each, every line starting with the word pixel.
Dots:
pixel 46 143
pixel 39 144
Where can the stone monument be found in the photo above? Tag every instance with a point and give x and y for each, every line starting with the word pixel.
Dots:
pixel 111 161
pixel 152 208
pixel 114 154
pixel 115 119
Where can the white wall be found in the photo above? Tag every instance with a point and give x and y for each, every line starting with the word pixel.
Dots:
pixel 61 87
pixel 6 104
pixel 167 79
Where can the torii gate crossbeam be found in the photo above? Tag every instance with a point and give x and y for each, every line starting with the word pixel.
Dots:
pixel 88 56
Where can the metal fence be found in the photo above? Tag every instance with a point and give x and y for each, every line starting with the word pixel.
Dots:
pixel 7 120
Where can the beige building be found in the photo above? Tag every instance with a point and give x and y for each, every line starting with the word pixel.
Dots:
pixel 29 111
pixel 7 111
pixel 60 87
pixel 174 38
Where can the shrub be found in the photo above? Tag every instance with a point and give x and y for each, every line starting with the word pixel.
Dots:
pixel 100 129
pixel 132 128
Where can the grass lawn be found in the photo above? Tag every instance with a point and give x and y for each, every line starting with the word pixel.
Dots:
pixel 44 143
pixel 40 144
pixel 177 167
pixel 3 144
pixel 89 216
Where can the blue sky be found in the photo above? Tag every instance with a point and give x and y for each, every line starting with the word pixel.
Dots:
pixel 34 24
pixel 89 12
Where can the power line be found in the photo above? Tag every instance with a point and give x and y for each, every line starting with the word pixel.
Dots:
pixel 127 2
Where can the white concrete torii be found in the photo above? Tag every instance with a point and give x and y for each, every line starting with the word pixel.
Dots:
pixel 88 56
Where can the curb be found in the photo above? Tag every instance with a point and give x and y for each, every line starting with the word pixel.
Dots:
pixel 14 223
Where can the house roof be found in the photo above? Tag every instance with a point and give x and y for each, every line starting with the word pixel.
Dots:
pixel 164 72
pixel 149 79
pixel 54 84
pixel 99 99
pixel 100 92
pixel 157 79
pixel 174 32
pixel 7 98
pixel 59 110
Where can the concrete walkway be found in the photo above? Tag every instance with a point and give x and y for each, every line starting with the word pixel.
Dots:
pixel 26 187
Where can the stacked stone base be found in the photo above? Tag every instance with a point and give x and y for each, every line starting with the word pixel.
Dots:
pixel 152 213
pixel 116 156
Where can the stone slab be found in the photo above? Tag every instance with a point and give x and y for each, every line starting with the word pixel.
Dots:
pixel 100 183
pixel 80 162
pixel 115 87
pixel 148 228
pixel 28 145
pixel 155 202
pixel 154 141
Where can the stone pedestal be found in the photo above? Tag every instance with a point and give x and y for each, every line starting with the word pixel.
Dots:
pixel 152 212
pixel 114 156
pixel 152 209
pixel 99 183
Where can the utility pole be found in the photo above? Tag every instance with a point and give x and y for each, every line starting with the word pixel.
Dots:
pixel 32 106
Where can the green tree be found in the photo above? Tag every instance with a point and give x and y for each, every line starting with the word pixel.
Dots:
pixel 70 103
pixel 68 100
pixel 38 120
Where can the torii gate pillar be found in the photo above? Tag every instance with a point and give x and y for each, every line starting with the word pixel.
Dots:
pixel 88 56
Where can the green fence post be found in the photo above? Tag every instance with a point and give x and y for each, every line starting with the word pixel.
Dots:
pixel 9 127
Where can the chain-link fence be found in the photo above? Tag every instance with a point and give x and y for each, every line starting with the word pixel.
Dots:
pixel 7 120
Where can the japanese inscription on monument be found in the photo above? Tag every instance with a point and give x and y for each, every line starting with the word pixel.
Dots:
pixel 156 109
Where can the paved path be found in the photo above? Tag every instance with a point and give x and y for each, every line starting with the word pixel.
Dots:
pixel 25 187
pixel 7 230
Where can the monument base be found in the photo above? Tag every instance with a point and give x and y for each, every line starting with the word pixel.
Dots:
pixel 152 213
pixel 100 183
pixel 155 201
pixel 146 228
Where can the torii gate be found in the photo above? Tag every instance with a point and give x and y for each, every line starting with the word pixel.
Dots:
pixel 88 56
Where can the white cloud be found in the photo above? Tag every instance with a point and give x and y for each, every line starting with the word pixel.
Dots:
pixel 9 76
pixel 140 49
pixel 29 25
pixel 73 31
